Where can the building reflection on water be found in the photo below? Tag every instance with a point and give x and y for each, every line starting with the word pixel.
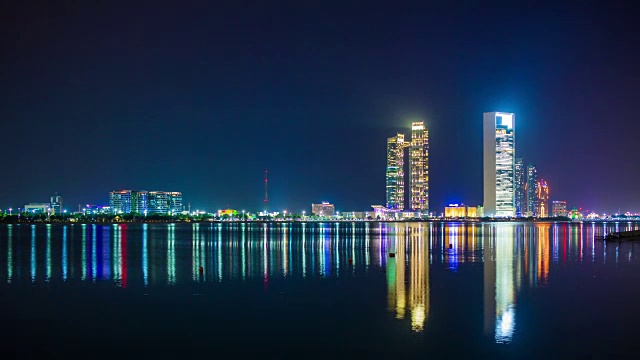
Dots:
pixel 408 272
pixel 514 257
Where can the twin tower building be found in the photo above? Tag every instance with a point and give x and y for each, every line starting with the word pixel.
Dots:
pixel 418 170
pixel 498 158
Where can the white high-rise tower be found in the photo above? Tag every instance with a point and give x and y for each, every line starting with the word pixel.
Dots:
pixel 499 161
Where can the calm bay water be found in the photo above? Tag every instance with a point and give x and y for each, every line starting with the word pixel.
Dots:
pixel 451 290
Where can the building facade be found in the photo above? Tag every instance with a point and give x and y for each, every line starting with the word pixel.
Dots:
pixel 543 199
pixel 520 179
pixel 559 208
pixel 531 191
pixel 460 211
pixel 323 209
pixel 56 204
pixel 37 208
pixel 395 172
pixel 145 202
pixel 499 164
pixel 419 167
pixel 164 202
pixel 120 201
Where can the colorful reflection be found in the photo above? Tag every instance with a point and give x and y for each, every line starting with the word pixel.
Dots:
pixel 513 257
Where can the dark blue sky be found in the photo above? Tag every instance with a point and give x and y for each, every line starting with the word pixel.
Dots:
pixel 202 97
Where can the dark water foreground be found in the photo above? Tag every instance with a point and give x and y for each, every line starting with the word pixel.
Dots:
pixel 452 290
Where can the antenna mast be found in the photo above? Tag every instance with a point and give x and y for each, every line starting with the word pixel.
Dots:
pixel 266 190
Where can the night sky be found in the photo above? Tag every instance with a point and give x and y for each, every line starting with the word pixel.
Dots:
pixel 203 97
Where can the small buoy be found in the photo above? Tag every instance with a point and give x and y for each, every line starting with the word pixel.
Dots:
pixel 392 254
pixel 450 246
pixel 350 260
pixel 201 270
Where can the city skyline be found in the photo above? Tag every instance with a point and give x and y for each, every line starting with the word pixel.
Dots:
pixel 134 103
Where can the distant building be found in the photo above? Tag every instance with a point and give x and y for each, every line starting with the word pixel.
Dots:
pixel 96 209
pixel 140 202
pixel 543 199
pixel 381 213
pixel 575 214
pixel 520 180
pixel 56 204
pixel 498 153
pixel 37 208
pixel 323 209
pixel 395 172
pixel 531 191
pixel 559 208
pixel 228 212
pixel 419 167
pixel 460 211
pixel 164 202
pixel 145 202
pixel 120 201
pixel 354 215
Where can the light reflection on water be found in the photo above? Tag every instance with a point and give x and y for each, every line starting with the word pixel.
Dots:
pixel 513 257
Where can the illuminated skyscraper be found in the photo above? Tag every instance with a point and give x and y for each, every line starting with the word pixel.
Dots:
pixel 499 150
pixel 395 172
pixel 531 191
pixel 521 178
pixel 543 199
pixel 419 164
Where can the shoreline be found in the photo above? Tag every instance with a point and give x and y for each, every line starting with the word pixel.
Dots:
pixel 471 221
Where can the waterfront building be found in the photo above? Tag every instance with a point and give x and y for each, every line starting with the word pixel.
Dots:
pixel 37 208
pixel 395 172
pixel 175 202
pixel 354 215
pixel 56 204
pixel 531 191
pixel 419 167
pixel 381 213
pixel 96 209
pixel 145 202
pixel 543 199
pixel 498 153
pixel 520 181
pixel 559 208
pixel 140 202
pixel 460 211
pixel 164 202
pixel 228 212
pixel 120 201
pixel 323 209
pixel 575 214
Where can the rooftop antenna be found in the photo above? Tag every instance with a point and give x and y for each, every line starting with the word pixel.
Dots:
pixel 266 190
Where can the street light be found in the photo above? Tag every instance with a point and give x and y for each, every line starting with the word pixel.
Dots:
pixel 242 215
pixel 10 211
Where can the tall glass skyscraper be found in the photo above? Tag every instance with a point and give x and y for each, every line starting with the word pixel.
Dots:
pixel 395 172
pixel 499 164
pixel 521 178
pixel 419 164
pixel 531 191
